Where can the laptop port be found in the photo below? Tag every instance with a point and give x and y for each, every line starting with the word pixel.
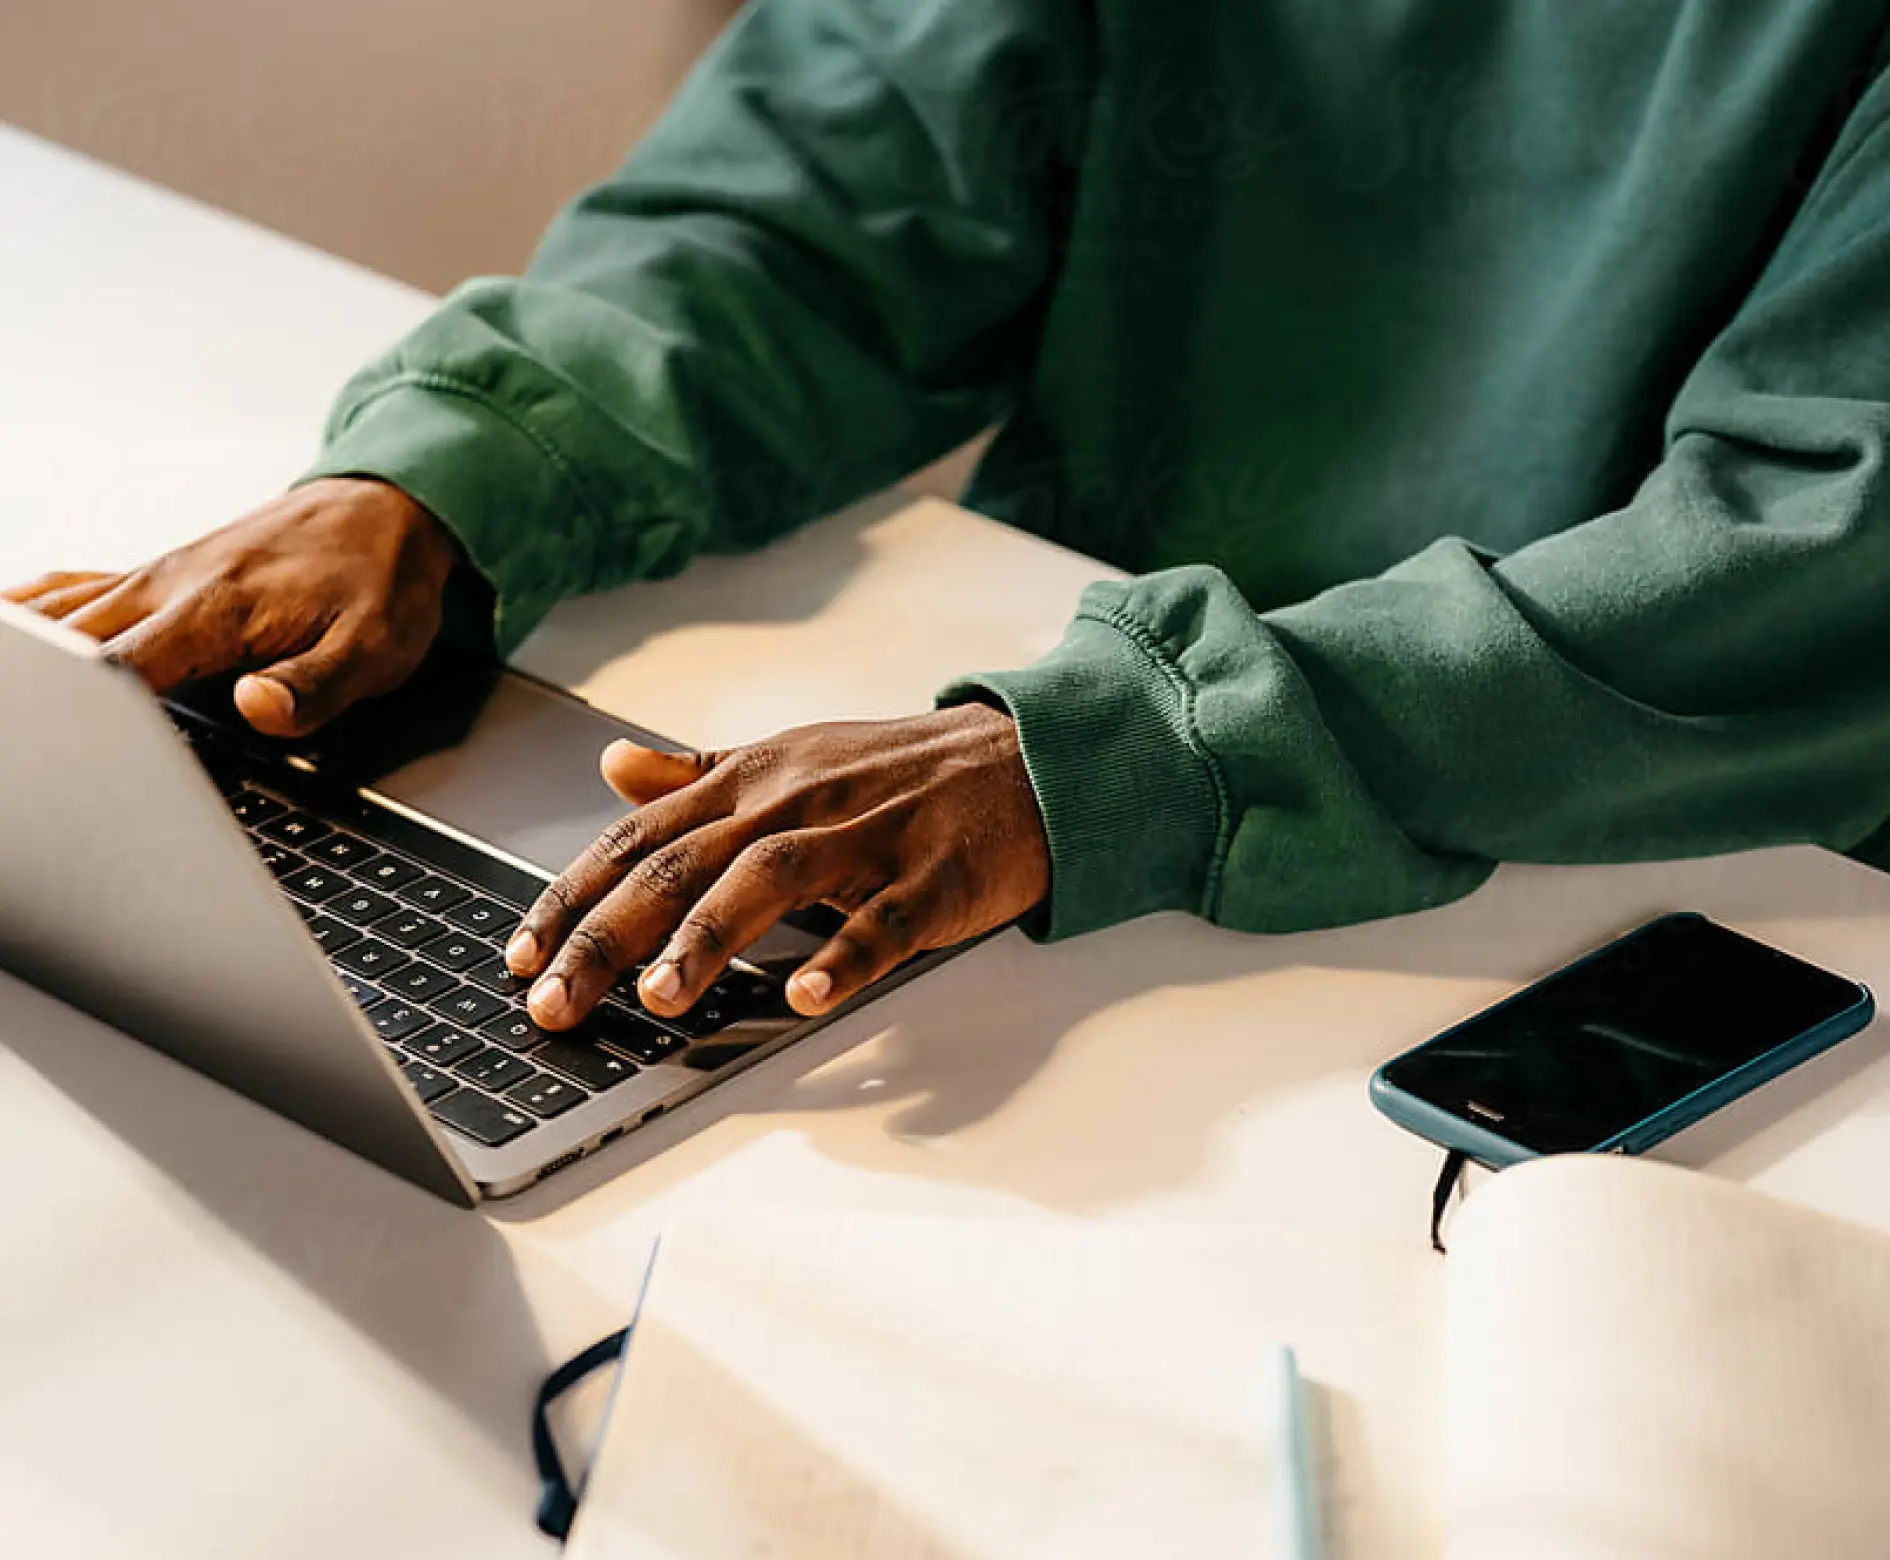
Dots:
pixel 560 1162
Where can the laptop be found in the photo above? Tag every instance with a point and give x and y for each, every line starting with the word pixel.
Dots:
pixel 320 925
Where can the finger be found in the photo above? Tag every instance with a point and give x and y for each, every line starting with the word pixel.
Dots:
pixel 173 646
pixel 68 599
pixel 630 921
pixel 601 866
pixel 771 877
pixel 51 584
pixel 346 665
pixel 878 937
pixel 102 614
pixel 639 774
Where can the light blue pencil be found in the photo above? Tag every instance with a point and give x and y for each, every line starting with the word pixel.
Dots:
pixel 1298 1486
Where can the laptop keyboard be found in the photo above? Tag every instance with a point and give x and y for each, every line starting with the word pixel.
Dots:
pixel 422 954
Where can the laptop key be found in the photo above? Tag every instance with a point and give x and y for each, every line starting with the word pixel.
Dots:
pixel 365 996
pixel 362 906
pixel 428 1082
pixel 546 1096
pixel 481 1118
pixel 483 917
pixel 494 1069
pixel 316 885
pixel 333 935
pixel 738 995
pixel 342 850
pixel 252 808
pixel 306 912
pixel 590 1064
pixel 514 1030
pixel 456 950
pixel 494 976
pixel 394 1020
pixel 417 982
pixel 408 929
pixel 467 1007
pixel 385 872
pixel 372 957
pixel 436 894
pixel 632 1033
pixel 294 829
pixel 280 860
pixel 442 1045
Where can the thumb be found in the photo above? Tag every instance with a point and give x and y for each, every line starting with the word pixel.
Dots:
pixel 294 697
pixel 639 774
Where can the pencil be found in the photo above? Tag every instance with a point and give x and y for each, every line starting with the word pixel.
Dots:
pixel 1298 1481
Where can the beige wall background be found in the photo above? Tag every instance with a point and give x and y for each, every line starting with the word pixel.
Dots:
pixel 430 139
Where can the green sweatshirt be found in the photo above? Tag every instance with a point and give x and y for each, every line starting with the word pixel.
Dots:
pixel 1492 397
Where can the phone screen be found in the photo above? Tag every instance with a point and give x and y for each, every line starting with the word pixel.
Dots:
pixel 1636 1027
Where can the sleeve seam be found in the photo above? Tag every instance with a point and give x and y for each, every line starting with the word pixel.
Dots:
pixel 1157 655
pixel 418 379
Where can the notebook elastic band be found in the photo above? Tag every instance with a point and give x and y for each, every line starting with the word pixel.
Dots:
pixel 557 1502
pixel 1447 1182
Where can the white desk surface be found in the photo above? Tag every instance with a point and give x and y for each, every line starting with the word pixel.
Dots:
pixel 221 1336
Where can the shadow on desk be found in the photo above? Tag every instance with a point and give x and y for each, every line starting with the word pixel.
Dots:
pixel 792 579
pixel 1108 1070
pixel 430 1285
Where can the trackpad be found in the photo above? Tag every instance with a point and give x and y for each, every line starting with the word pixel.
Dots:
pixel 500 758
pixel 522 778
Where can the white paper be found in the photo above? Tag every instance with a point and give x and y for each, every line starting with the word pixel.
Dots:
pixel 1648 1364
pixel 839 1387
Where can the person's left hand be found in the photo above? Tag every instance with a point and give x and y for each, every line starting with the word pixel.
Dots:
pixel 924 830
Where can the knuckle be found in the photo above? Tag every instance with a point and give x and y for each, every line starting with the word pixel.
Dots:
pixel 594 945
pixel 854 892
pixel 669 875
pixel 620 843
pixel 779 859
pixel 755 764
pixel 557 903
pixel 891 918
pixel 707 931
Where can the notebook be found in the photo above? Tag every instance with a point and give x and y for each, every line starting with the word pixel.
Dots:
pixel 1619 1361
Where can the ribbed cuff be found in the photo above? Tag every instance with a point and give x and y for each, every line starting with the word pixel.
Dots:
pixel 1129 800
pixel 503 493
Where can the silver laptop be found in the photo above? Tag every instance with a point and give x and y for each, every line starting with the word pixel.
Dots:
pixel 320 925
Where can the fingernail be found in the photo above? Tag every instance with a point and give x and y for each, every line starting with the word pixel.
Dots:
pixel 275 687
pixel 277 699
pixel 815 985
pixel 663 981
pixel 551 998
pixel 521 953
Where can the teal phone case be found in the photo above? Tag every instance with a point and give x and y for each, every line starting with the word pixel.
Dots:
pixel 1494 1151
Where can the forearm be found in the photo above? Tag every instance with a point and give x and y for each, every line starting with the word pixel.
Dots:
pixel 1706 669
pixel 1378 749
pixel 820 270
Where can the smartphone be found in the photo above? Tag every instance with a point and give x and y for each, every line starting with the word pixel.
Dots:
pixel 1623 1048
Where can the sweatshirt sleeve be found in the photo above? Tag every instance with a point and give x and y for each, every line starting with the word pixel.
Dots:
pixel 822 268
pixel 1705 670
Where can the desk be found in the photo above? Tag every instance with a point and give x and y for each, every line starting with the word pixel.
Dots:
pixel 220 1336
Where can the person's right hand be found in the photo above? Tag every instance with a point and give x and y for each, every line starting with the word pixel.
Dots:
pixel 329 594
